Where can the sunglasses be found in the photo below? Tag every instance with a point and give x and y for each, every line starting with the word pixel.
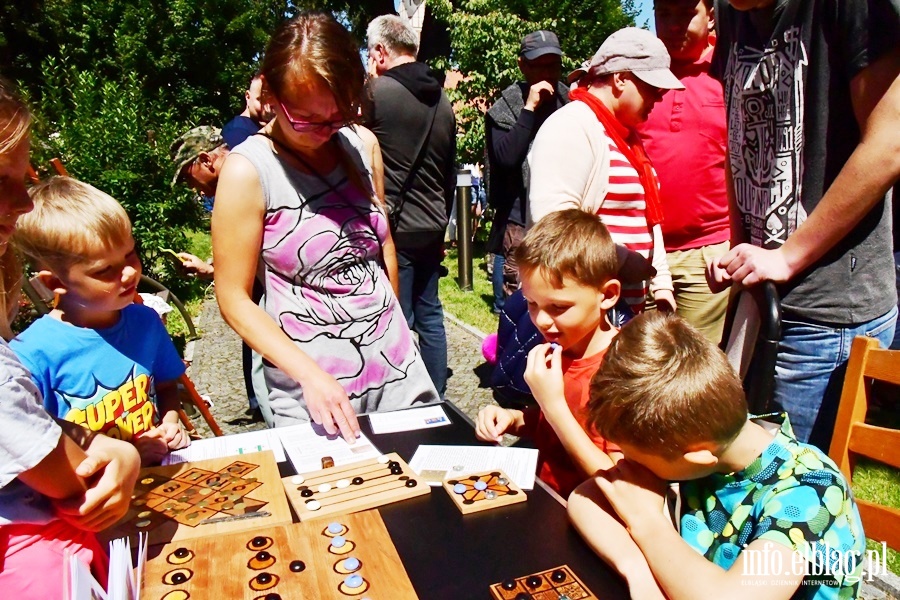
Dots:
pixel 301 126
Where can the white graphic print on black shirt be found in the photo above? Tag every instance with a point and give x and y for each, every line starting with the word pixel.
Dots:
pixel 766 137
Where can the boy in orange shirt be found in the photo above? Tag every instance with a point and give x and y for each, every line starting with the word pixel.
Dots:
pixel 567 268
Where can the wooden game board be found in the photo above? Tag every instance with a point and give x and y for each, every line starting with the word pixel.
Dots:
pixel 255 564
pixel 551 584
pixel 204 498
pixel 499 490
pixel 354 487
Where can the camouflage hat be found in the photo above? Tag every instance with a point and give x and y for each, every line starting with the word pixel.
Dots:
pixel 190 144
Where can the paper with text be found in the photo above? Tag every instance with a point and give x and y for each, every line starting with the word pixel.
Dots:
pixel 408 420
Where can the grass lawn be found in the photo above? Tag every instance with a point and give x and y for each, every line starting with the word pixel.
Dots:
pixel 474 307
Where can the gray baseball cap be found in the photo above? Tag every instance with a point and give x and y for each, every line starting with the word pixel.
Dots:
pixel 539 43
pixel 636 51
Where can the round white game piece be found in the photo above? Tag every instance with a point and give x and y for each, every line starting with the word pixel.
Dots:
pixel 325 487
pixel 490 494
pixel 383 459
pixel 480 486
pixel 338 541
pixel 335 528
pixel 458 468
pixel 297 479
pixel 502 481
pixel 313 505
pixel 342 483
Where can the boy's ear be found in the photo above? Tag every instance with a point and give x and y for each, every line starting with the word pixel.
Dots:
pixel 52 282
pixel 610 292
pixel 702 457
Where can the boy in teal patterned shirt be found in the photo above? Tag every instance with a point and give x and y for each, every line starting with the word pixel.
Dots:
pixel 758 514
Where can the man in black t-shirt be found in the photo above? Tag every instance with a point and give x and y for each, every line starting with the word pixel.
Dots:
pixel 812 90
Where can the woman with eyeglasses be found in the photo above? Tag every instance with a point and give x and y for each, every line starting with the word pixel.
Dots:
pixel 296 205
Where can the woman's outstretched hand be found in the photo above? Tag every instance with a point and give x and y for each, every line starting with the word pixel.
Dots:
pixel 329 406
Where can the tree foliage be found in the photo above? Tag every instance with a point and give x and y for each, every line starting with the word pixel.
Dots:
pixel 110 135
pixel 485 37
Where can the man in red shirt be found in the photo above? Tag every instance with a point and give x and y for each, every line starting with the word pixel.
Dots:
pixel 685 138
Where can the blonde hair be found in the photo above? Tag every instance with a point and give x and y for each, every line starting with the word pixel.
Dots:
pixel 70 219
pixel 15 123
pixel 664 388
pixel 569 243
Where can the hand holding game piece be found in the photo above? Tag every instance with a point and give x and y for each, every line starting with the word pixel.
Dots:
pixel 329 406
pixel 493 421
pixel 543 374
pixel 635 493
pixel 111 469
pixel 174 435
pixel 152 447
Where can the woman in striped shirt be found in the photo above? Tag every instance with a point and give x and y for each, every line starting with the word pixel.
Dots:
pixel 588 156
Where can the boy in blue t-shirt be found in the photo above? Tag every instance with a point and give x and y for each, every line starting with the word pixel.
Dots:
pixel 757 512
pixel 99 359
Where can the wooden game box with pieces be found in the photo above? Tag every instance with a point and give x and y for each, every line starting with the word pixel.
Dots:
pixel 483 491
pixel 551 584
pixel 350 488
pixel 205 498
pixel 352 557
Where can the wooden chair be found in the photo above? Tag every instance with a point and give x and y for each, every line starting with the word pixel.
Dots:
pixel 853 437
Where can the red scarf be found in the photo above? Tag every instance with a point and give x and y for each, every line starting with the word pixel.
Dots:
pixel 630 145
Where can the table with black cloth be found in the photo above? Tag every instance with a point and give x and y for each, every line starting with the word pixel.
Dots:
pixel 453 556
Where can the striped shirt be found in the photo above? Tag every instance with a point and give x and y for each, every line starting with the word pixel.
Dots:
pixel 624 212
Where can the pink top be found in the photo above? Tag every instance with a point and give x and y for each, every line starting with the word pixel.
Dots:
pixel 685 138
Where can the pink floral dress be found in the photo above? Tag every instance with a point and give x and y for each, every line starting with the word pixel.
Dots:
pixel 326 288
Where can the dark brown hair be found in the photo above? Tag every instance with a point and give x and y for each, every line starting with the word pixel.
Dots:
pixel 314 47
pixel 569 243
pixel 664 388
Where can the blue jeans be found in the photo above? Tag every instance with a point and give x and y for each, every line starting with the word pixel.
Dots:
pixel 497 282
pixel 419 274
pixel 809 371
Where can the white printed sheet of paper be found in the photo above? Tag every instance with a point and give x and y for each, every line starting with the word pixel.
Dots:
pixel 229 445
pixel 437 463
pixel 306 445
pixel 409 420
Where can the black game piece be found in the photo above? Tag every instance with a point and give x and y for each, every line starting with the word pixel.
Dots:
pixel 558 576
pixel 263 578
pixel 179 578
pixel 273 596
pixel 182 553
pixel 258 542
pixel 411 483
pixel 523 596
pixel 297 566
pixel 357 481
pixel 263 556
pixel 509 584
pixel 306 493
pixel 396 470
pixel 534 582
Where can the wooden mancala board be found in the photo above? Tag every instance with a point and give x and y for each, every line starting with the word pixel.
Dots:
pixel 351 488
pixel 351 557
